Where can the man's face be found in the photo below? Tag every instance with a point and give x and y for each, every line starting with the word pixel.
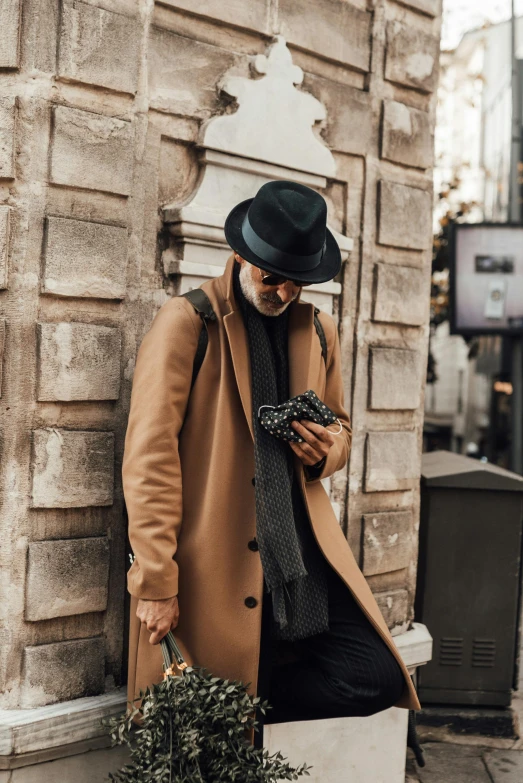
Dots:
pixel 267 299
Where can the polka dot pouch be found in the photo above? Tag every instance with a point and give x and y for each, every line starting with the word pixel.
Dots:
pixel 278 419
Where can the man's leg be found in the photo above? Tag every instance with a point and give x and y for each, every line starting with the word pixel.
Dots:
pixel 347 670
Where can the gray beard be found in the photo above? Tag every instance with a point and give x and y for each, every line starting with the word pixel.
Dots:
pixel 253 297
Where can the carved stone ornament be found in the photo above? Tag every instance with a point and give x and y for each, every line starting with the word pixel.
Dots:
pixel 274 120
pixel 270 136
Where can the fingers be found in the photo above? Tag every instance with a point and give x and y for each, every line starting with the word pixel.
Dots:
pixel 159 630
pixel 314 445
pixel 159 617
pixel 317 441
pixel 308 457
pixel 312 432
pixel 157 636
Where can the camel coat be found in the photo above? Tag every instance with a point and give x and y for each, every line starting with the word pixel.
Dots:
pixel 187 474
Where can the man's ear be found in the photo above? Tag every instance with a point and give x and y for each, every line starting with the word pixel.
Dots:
pixel 239 259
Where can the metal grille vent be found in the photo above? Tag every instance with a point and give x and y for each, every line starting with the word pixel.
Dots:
pixel 483 652
pixel 450 651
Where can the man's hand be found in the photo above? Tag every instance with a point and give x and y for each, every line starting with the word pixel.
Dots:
pixel 317 441
pixel 160 617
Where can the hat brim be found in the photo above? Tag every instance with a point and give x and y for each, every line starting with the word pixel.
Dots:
pixel 328 267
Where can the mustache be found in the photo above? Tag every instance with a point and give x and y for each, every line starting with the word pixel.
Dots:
pixel 274 299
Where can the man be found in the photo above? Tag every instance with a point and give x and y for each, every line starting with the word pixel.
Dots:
pixel 236 544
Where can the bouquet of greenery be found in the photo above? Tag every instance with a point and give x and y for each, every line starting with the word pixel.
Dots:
pixel 191 728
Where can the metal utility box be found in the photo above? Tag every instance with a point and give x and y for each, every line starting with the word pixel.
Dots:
pixel 468 582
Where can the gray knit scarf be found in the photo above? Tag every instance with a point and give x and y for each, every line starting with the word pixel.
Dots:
pixel 293 566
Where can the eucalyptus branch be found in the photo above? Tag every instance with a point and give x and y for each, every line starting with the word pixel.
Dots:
pixel 191 728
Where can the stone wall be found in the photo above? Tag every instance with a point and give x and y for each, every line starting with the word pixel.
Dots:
pixel 102 107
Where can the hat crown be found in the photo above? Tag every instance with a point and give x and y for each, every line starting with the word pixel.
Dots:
pixel 289 216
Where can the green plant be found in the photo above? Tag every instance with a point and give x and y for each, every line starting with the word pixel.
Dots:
pixel 192 729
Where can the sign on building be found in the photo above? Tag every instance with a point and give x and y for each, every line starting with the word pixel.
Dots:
pixel 486 278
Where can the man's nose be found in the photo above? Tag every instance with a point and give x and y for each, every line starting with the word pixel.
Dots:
pixel 286 292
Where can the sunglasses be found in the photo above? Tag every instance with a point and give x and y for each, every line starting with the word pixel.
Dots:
pixel 270 279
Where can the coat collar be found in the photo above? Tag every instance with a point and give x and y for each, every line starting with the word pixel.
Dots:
pixel 301 332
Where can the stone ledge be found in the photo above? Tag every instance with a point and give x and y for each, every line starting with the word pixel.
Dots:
pixel 57 725
pixel 49 755
pixel 415 646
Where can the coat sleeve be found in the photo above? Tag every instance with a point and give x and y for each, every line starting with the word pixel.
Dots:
pixel 334 398
pixel 151 473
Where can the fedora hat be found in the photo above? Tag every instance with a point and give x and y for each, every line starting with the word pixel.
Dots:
pixel 283 230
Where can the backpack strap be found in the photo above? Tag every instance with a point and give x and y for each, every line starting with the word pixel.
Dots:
pixel 321 334
pixel 201 303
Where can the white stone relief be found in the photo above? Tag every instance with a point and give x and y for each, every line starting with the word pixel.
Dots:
pixel 274 121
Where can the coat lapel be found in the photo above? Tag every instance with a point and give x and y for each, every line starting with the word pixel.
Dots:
pixel 241 360
pixel 301 330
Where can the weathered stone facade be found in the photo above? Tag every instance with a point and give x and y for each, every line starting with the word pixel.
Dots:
pixel 104 106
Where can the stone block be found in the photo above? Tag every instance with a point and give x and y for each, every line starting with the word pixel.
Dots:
pixel 4 244
pixel 78 361
pixel 84 259
pixel 2 349
pixel 10 37
pixel 351 125
pixel 411 57
pixel 401 295
pixel 428 7
pixel 253 15
pixel 99 47
pixel 344 750
pixel 333 28
pixel 183 74
pixel 91 151
pixel 61 671
pixel 7 137
pixel 392 461
pixel 386 541
pixel 66 577
pixel 406 136
pixel 394 606
pixel 405 216
pixel 395 379
pixel 72 468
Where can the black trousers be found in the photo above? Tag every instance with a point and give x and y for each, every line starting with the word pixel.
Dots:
pixel 345 671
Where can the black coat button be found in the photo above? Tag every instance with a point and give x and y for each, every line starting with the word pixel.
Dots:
pixel 253 481
pixel 251 602
pixel 253 545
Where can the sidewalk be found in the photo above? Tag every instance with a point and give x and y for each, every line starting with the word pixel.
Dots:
pixel 446 763
pixel 452 758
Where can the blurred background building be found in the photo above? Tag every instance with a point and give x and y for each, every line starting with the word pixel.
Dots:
pixel 467 404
